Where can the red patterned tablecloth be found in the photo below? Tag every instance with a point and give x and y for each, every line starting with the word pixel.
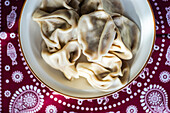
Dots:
pixel 21 92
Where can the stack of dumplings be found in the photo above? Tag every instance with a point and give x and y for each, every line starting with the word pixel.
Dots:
pixel 88 38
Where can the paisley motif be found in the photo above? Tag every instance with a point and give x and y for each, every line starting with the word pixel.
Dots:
pixel 26 99
pixel 154 99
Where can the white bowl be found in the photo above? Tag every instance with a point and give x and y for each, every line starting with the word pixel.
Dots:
pixel 30 39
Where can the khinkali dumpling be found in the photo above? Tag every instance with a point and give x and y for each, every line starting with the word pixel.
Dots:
pixel 96 33
pixel 64 59
pixel 129 31
pixel 100 77
pixel 57 28
pixel 111 62
pixel 118 48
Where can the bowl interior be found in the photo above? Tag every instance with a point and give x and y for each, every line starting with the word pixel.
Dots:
pixel 30 39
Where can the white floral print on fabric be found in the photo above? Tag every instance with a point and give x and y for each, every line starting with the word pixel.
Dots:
pixel 51 109
pixel 11 52
pixel 168 57
pixel 17 76
pixel 131 109
pixel 27 99
pixel 7 93
pixel 3 35
pixel 164 76
pixel 168 15
pixel 154 99
pixel 11 18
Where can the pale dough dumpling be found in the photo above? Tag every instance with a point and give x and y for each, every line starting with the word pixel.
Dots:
pixel 129 32
pixel 57 28
pixel 96 33
pixel 118 48
pixel 64 59
pixel 100 77
pixel 111 62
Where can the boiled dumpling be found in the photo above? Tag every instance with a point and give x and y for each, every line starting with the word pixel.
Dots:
pixel 95 74
pixel 100 77
pixel 57 28
pixel 97 34
pixel 111 62
pixel 64 59
pixel 129 31
pixel 118 48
